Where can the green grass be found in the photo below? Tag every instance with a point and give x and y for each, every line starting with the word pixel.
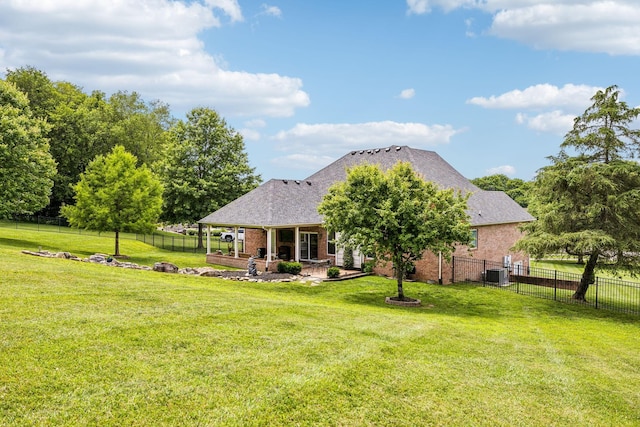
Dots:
pixel 84 344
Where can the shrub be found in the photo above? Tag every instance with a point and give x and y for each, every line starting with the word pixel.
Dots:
pixel 347 261
pixel 289 267
pixel 333 272
pixel 192 232
pixel 367 267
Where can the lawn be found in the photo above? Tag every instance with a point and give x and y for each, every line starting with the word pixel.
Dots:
pixel 84 344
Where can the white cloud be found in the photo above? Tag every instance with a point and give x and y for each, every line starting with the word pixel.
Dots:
pixel 250 134
pixel 230 8
pixel 540 96
pixel 596 26
pixel 608 26
pixel 271 10
pixel 418 7
pixel 407 94
pixel 334 139
pixel 555 122
pixel 150 46
pixel 502 170
pixel 255 123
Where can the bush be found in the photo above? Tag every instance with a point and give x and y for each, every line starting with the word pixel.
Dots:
pixel 192 232
pixel 347 261
pixel 367 267
pixel 333 272
pixel 289 267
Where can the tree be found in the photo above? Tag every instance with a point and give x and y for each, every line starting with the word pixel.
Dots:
pixel 82 126
pixel 27 166
pixel 139 126
pixel 515 188
pixel 40 90
pixel 395 215
pixel 114 195
pixel 589 202
pixel 204 168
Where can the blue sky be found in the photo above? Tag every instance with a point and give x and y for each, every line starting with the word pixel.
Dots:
pixel 491 85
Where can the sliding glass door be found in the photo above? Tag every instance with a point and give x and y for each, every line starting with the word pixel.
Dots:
pixel 308 246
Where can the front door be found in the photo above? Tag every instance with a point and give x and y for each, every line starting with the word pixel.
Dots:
pixel 308 246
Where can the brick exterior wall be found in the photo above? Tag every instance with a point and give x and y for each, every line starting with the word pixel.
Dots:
pixel 494 242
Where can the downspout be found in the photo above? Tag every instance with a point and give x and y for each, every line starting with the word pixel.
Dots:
pixel 440 268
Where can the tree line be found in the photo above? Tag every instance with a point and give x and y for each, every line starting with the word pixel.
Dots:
pixel 52 134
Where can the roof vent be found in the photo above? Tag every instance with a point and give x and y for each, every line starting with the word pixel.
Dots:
pixel 361 151
pixel 377 150
pixel 308 182
pixel 297 182
pixel 387 149
pixel 398 148
pixel 353 152
pixel 285 181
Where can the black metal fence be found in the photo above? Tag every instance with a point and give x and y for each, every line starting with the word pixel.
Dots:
pixel 605 293
pixel 164 240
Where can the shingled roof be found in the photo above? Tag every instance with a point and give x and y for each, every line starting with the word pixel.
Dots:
pixel 289 203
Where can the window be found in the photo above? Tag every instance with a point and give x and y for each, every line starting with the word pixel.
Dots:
pixel 331 243
pixel 474 239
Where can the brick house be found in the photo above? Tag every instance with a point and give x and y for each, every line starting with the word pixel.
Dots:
pixel 281 220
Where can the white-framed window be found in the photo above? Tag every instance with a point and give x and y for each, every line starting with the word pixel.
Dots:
pixel 331 243
pixel 474 239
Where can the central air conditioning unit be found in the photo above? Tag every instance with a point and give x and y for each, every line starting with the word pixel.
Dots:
pixel 497 275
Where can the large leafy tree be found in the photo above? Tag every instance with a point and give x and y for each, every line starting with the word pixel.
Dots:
pixel 205 167
pixel 82 126
pixel 139 126
pixel 587 200
pixel 395 215
pixel 515 188
pixel 115 195
pixel 27 168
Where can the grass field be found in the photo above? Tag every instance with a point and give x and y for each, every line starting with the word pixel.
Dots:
pixel 84 344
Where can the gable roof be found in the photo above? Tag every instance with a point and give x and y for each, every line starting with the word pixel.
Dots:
pixel 288 203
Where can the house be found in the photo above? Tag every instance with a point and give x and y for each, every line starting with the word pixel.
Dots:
pixel 281 220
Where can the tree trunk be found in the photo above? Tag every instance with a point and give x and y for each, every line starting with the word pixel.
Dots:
pixel 399 276
pixel 200 228
pixel 587 277
pixel 117 244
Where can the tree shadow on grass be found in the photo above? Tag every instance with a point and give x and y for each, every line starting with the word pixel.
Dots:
pixel 18 243
pixel 469 301
pixel 30 245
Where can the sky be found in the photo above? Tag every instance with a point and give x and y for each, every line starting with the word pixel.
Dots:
pixel 490 85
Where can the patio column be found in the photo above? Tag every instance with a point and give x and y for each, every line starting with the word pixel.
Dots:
pixel 208 238
pixel 297 245
pixel 235 242
pixel 268 248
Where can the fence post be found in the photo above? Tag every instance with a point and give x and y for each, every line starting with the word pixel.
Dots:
pixel 555 284
pixel 597 291
pixel 453 269
pixel 484 272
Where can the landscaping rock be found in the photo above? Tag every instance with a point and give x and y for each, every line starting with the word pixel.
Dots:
pixel 165 267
